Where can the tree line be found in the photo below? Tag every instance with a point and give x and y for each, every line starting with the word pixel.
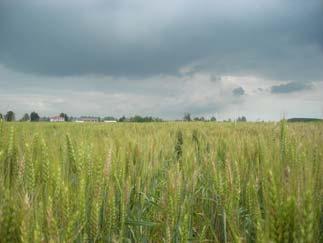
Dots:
pixel 34 117
pixel 187 117
pixel 10 116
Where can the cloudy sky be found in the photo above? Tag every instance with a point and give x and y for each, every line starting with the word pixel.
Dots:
pixel 258 58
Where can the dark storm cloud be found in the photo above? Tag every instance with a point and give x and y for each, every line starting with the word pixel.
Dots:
pixel 290 87
pixel 238 91
pixel 278 39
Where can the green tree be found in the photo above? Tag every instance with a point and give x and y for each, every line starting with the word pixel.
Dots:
pixel 109 118
pixel 242 119
pixel 34 117
pixel 187 117
pixel 122 119
pixel 63 115
pixel 26 117
pixel 10 116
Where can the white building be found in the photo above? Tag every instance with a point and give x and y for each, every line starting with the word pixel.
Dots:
pixel 89 119
pixel 56 119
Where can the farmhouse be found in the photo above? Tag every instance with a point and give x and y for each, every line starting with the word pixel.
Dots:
pixel 56 119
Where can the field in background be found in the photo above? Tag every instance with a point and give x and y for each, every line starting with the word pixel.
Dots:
pixel 161 182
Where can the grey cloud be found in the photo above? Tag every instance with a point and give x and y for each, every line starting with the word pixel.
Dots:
pixel 238 91
pixel 277 39
pixel 215 78
pixel 161 58
pixel 163 96
pixel 290 87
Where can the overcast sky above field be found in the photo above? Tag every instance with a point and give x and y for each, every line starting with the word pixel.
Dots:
pixel 259 58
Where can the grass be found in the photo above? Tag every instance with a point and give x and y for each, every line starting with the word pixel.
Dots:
pixel 161 182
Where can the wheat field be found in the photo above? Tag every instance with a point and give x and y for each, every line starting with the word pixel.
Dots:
pixel 161 182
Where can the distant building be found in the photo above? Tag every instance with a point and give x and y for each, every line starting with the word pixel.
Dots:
pixel 56 119
pixel 110 121
pixel 89 119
